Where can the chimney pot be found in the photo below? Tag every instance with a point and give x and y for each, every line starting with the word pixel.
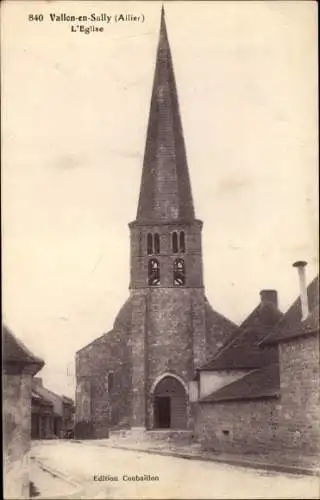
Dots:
pixel 300 265
pixel 270 296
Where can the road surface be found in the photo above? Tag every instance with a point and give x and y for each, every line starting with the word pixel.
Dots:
pixel 108 473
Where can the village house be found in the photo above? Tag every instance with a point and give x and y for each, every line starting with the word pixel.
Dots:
pixel 19 366
pixel 52 414
pixel 261 392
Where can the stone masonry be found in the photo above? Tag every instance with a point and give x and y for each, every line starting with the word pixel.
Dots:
pixel 167 328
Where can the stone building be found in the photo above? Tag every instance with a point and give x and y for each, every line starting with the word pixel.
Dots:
pixel 41 417
pixel 52 414
pixel 137 375
pixel 297 337
pixel 19 365
pixel 261 392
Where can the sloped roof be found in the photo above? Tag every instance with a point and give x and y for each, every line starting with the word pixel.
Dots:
pixel 68 400
pixel 49 395
pixel 121 324
pixel 165 194
pixel 16 353
pixel 257 384
pixel 243 350
pixel 96 341
pixel 40 398
pixel 218 321
pixel 291 324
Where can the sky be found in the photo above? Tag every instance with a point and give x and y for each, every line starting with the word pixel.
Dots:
pixel 74 119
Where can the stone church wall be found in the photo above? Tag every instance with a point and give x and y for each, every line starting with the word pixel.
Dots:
pixel 170 330
pixel 93 364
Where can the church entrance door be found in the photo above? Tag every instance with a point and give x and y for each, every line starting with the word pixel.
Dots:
pixel 169 404
pixel 162 412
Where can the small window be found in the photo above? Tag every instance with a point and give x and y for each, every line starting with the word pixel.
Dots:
pixel 154 272
pixel 110 381
pixel 175 242
pixel 179 272
pixel 225 432
pixel 182 242
pixel 156 243
pixel 149 244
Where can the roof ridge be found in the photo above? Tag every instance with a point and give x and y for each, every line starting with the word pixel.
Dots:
pixel 220 314
pixel 26 351
pixel 290 319
pixel 94 340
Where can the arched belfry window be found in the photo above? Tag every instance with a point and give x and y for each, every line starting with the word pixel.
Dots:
pixel 149 244
pixel 175 242
pixel 153 272
pixel 156 243
pixel 179 277
pixel 182 242
pixel 178 242
pixel 153 243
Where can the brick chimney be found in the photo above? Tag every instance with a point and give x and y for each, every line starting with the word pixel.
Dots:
pixel 269 296
pixel 37 381
pixel 300 265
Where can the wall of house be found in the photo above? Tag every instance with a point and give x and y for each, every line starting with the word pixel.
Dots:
pixel 211 381
pixel 290 423
pixel 17 434
pixel 299 424
pixel 55 399
pixel 238 426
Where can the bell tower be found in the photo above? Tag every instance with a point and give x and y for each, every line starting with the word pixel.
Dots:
pixel 165 237
pixel 168 334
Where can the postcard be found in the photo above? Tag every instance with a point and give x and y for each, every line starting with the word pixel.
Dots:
pixel 160 249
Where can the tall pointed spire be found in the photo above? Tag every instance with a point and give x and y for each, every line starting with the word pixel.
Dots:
pixel 165 194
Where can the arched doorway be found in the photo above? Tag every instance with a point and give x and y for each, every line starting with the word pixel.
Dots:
pixel 169 404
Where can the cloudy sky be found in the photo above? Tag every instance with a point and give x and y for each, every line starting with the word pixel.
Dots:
pixel 75 110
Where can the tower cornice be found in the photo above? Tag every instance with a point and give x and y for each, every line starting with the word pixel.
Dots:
pixel 173 224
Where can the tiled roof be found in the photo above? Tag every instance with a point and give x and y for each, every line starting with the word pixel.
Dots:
pixel 40 398
pixel 257 384
pixel 291 325
pixel 67 400
pixel 96 341
pixel 219 328
pixel 15 352
pixel 243 350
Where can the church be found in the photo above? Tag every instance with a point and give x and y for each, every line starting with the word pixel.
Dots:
pixel 171 362
pixel 140 374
